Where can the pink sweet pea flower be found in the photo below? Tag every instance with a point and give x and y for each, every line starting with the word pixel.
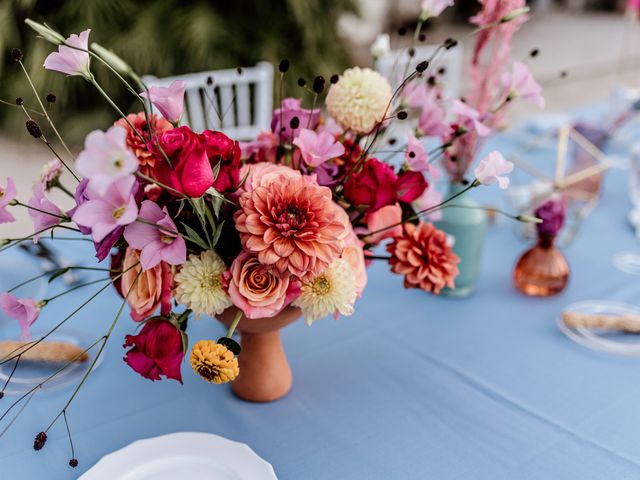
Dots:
pixel 104 214
pixel 24 310
pixel 106 158
pixel 70 60
pixel 430 198
pixel 470 118
pixel 156 244
pixel 492 169
pixel 43 212
pixel 317 148
pixel 417 159
pixel 169 100
pixel 7 194
pixel 521 84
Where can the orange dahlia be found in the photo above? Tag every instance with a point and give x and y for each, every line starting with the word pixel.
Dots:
pixel 135 143
pixel 292 223
pixel 422 255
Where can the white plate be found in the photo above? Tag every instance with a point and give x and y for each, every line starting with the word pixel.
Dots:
pixel 185 455
pixel 611 341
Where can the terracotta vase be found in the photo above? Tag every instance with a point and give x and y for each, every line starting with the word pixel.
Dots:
pixel 541 271
pixel 265 374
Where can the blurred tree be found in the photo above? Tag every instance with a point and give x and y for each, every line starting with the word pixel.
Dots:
pixel 165 37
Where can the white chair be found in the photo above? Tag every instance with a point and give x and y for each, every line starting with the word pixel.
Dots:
pixel 393 65
pixel 240 104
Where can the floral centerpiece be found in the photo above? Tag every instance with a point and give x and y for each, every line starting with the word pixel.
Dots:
pixel 255 234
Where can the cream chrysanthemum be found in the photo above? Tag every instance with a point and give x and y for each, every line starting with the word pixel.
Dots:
pixel 199 284
pixel 334 291
pixel 359 100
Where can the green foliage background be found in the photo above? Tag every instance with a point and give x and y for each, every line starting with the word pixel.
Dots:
pixel 163 37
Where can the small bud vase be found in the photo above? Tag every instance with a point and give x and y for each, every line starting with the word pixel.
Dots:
pixel 468 226
pixel 265 374
pixel 542 271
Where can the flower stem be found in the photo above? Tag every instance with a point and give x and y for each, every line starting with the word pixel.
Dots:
pixel 53 272
pixel 82 285
pixel 15 202
pixel 234 324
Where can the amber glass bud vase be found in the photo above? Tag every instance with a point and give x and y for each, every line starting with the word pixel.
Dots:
pixel 542 271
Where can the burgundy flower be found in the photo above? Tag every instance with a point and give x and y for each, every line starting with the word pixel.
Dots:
pixel 157 350
pixel 220 148
pixel 552 215
pixel 373 186
pixel 411 185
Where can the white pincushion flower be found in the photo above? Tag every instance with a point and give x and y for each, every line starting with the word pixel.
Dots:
pixel 332 292
pixel 359 100
pixel 199 285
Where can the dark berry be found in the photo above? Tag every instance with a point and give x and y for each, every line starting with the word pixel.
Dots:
pixel 51 98
pixel 402 115
pixel 295 123
pixel 73 462
pixel 284 65
pixel 334 78
pixel 40 440
pixel 318 84
pixel 301 82
pixel 19 101
pixel 16 54
pixel 33 128
pixel 422 66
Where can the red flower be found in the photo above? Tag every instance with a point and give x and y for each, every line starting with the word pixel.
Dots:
pixel 373 186
pixel 410 186
pixel 190 171
pixel 220 148
pixel 157 350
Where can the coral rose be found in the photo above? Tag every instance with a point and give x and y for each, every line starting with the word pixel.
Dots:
pixel 291 223
pixel 150 291
pixel 158 125
pixel 373 186
pixel 422 255
pixel 259 290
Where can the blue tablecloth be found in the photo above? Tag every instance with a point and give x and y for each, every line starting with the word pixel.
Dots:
pixel 410 387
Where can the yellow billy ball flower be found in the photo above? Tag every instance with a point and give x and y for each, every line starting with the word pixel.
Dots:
pixel 214 362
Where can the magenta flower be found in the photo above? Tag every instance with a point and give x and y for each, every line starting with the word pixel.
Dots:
pixel 492 169
pixel 158 242
pixel 7 194
pixel 282 116
pixel 169 100
pixel 24 310
pixel 44 213
pixel 106 158
pixel 417 158
pixel 70 60
pixel 469 118
pixel 104 214
pixel 521 84
pixel 317 148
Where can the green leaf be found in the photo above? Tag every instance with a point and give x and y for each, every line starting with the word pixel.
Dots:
pixel 216 170
pixel 193 237
pixel 198 206
pixel 216 234
pixel 59 273
pixel 217 205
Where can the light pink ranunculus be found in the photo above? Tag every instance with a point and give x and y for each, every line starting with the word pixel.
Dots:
pixel 7 194
pixel 43 212
pixel 492 169
pixel 24 310
pixel 521 84
pixel 156 236
pixel 386 216
pixel 151 290
pixel 71 61
pixel 317 148
pixel 169 100
pixel 258 290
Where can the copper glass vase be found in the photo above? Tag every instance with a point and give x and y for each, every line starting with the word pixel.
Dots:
pixel 541 271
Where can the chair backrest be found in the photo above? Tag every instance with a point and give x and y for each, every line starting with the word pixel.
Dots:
pixel 394 63
pixel 238 103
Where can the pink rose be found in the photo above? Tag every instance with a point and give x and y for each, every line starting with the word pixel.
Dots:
pixel 385 217
pixel 410 186
pixel 258 290
pixel 151 290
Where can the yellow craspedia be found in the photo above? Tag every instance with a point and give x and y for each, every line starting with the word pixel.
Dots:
pixel 359 100
pixel 214 362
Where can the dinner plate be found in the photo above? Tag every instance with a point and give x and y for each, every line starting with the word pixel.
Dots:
pixel 611 341
pixel 186 455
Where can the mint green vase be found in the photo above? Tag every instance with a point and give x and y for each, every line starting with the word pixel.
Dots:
pixel 468 227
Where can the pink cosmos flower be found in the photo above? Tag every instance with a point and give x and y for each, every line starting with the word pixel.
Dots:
pixel 157 242
pixel 492 169
pixel 43 212
pixel 433 8
pixel 430 198
pixel 432 120
pixel 70 60
pixel 24 310
pixel 417 158
pixel 169 100
pixel 470 118
pixel 104 214
pixel 317 148
pixel 383 218
pixel 7 194
pixel 106 158
pixel 521 83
